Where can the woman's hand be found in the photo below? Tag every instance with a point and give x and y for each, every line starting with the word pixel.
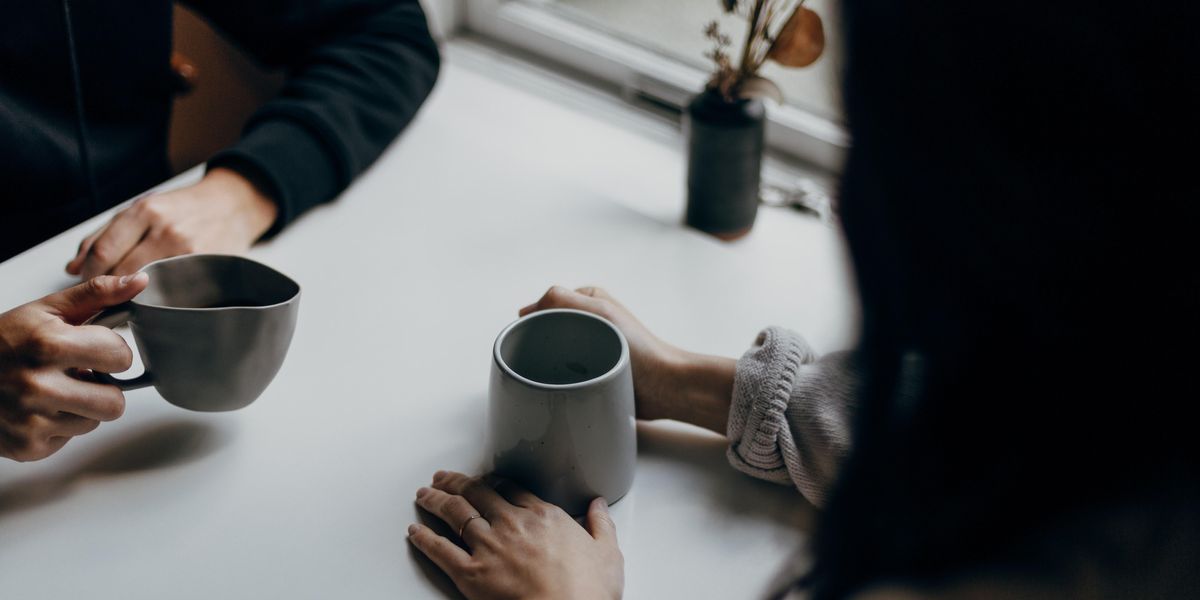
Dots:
pixel 518 546
pixel 46 396
pixel 222 213
pixel 669 383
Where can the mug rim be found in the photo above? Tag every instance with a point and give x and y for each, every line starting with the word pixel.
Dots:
pixel 290 299
pixel 610 374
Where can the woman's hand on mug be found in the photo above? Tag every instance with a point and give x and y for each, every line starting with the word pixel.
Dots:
pixel 46 397
pixel 669 383
pixel 518 546
pixel 655 363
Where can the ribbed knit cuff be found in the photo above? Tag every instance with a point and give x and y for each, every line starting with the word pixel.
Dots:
pixel 758 432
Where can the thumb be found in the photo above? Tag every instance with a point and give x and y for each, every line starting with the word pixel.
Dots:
pixel 599 522
pixel 76 304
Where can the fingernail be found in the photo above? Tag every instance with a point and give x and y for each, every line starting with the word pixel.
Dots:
pixel 412 529
pixel 603 504
pixel 131 277
pixel 421 492
pixel 125 279
pixel 439 475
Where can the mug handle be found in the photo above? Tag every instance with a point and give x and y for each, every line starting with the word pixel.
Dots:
pixel 112 317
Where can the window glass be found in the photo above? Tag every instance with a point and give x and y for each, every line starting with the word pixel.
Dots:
pixel 676 28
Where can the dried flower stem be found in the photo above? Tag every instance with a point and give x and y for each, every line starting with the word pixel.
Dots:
pixel 766 19
pixel 752 33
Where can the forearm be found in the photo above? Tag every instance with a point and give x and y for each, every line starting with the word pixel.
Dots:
pixel 785 411
pixel 358 72
pixel 253 210
pixel 702 390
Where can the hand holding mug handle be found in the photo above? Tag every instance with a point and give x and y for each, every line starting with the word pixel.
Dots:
pixel 113 317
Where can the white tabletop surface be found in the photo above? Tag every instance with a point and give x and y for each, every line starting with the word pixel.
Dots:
pixel 501 187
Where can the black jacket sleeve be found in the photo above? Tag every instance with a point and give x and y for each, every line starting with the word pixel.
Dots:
pixel 357 71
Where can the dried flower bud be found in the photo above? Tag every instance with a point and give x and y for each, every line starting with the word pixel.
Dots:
pixel 801 40
pixel 712 31
pixel 729 5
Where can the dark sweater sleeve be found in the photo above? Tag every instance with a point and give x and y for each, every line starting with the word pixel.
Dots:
pixel 357 71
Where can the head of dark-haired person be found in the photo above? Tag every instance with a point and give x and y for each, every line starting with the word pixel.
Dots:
pixel 1020 202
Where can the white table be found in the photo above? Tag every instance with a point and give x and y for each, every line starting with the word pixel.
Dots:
pixel 504 185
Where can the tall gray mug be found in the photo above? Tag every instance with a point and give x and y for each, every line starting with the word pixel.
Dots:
pixel 561 411
pixel 212 330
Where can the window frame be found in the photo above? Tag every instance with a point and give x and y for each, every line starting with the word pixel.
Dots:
pixel 641 72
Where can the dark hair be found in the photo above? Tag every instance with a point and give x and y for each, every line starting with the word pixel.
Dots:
pixel 1021 206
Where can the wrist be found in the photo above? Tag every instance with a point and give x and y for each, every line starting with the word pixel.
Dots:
pixel 570 591
pixel 255 210
pixel 702 390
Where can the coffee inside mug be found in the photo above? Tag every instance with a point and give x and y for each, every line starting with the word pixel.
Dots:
pixel 215 282
pixel 561 348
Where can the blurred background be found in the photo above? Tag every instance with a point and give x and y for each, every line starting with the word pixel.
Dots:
pixel 650 53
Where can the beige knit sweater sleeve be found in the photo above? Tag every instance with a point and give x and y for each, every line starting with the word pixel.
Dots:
pixel 790 417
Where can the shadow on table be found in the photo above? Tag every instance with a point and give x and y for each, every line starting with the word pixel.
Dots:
pixel 432 572
pixel 469 427
pixel 159 445
pixel 736 492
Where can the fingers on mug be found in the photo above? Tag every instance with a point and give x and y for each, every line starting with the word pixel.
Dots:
pixel 113 317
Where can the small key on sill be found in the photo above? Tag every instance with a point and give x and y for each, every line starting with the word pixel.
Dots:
pixel 804 195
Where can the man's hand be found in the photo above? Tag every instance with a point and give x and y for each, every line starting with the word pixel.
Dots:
pixel 46 395
pixel 669 383
pixel 222 213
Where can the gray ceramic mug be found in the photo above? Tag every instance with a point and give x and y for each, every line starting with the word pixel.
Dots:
pixel 561 412
pixel 212 329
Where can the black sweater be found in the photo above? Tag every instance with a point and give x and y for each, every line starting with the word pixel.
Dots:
pixel 357 72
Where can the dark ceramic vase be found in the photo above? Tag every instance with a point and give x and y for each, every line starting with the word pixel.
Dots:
pixel 725 149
